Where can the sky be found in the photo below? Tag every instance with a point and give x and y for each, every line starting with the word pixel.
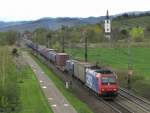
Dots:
pixel 18 10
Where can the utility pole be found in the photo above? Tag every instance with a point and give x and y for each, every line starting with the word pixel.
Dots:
pixel 36 41
pixel 48 37
pixel 84 34
pixel 86 59
pixel 63 48
pixel 130 71
pixel 48 41
pixel 63 29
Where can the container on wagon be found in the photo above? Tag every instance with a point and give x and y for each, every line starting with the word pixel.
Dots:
pixel 80 70
pixel 45 52
pixel 61 59
pixel 52 56
pixel 69 67
pixel 29 43
pixel 41 49
pixel 34 46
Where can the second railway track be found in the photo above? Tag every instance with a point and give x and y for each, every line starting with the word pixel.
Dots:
pixel 135 103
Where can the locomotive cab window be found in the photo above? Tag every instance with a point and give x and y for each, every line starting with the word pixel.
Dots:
pixel 104 71
pixel 110 80
pixel 105 80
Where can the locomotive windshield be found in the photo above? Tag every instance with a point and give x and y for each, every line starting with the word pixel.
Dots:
pixel 110 80
pixel 104 71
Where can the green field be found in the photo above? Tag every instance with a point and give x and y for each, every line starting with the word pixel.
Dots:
pixel 77 104
pixel 117 59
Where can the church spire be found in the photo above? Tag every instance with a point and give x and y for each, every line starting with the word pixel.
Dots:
pixel 107 15
pixel 107 26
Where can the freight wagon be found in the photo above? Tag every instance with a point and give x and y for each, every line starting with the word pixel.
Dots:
pixel 69 67
pixel 40 49
pixel 80 70
pixel 52 56
pixel 61 59
pixel 46 51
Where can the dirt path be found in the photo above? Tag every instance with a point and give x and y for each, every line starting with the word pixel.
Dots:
pixel 56 100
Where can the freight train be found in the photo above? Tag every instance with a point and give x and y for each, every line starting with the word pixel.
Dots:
pixel 100 80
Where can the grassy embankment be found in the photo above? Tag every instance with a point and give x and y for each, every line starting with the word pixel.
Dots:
pixel 9 91
pixel 117 58
pixel 32 98
pixel 20 92
pixel 77 104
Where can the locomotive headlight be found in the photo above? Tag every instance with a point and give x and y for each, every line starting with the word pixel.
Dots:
pixel 103 89
pixel 114 89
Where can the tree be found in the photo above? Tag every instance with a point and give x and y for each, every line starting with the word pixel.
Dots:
pixel 9 38
pixel 137 34
pixel 12 37
pixel 39 35
pixel 124 33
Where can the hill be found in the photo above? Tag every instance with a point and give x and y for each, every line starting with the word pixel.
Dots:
pixel 124 19
pixel 48 23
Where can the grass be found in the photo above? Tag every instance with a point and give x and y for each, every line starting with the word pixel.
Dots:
pixel 117 58
pixel 9 99
pixel 19 89
pixel 32 98
pixel 77 104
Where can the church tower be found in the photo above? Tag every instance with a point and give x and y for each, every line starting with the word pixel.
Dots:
pixel 107 26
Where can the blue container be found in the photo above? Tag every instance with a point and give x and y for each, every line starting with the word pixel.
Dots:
pixel 52 56
pixel 49 55
pixel 69 67
pixel 29 43
pixel 47 50
pixel 41 49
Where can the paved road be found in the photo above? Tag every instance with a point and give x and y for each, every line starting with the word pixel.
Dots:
pixel 56 100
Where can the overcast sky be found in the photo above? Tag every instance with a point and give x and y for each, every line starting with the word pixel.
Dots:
pixel 14 10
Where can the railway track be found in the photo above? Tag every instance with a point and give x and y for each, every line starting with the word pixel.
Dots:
pixel 134 103
pixel 119 107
